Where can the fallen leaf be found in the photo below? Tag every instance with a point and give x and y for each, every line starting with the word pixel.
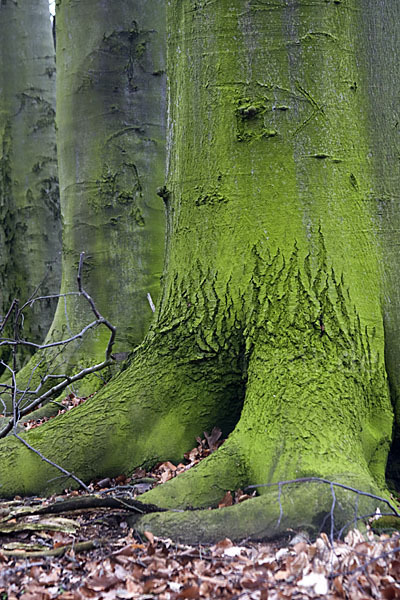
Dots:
pixel 213 438
pixel 148 535
pixel 225 543
pixel 317 581
pixel 281 575
pixel 233 551
pixel 100 583
pixel 227 500
pixel 189 592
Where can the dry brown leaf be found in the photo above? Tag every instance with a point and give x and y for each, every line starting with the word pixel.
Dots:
pixel 189 592
pixel 167 466
pixel 317 581
pixel 281 575
pixel 205 589
pixel 227 500
pixel 251 584
pixel 300 547
pixel 148 535
pixel 338 585
pixel 222 544
pixel 390 592
pixel 192 455
pixel 354 537
pixel 139 473
pixel 212 439
pixel 103 582
pixel 297 564
pixel 51 577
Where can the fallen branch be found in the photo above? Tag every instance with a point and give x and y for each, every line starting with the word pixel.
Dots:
pixel 97 501
pixel 59 551
pixel 50 524
pixel 74 504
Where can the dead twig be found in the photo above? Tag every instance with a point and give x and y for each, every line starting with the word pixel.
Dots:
pixel 66 379
pixel 331 484
pixel 50 462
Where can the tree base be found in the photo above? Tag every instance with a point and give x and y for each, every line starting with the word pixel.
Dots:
pixel 310 507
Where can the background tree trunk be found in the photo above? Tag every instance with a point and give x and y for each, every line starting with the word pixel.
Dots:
pixel 111 137
pixel 30 226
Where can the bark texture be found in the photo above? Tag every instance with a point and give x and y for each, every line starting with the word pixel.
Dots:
pixel 30 225
pixel 111 137
pixel 270 321
pixel 379 46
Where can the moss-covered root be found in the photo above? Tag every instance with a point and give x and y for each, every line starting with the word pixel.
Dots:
pixel 206 484
pixel 151 412
pixel 307 507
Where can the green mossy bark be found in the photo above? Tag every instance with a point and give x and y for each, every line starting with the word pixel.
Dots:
pixel 270 319
pixel 307 507
pixel 111 138
pixel 378 47
pixel 288 158
pixel 30 225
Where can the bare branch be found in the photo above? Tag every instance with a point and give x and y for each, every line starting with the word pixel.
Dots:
pixel 19 395
pixel 280 505
pixel 332 513
pixel 29 303
pixel 9 313
pixel 50 462
pixel 331 483
pixel 99 317
pixel 13 342
pixel 150 301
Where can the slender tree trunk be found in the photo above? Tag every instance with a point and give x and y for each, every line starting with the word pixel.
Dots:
pixel 270 321
pixel 30 226
pixel 111 137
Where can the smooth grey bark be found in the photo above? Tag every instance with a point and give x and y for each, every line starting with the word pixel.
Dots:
pixel 111 141
pixel 30 225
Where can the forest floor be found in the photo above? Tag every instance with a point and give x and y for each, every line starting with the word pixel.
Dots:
pixel 71 547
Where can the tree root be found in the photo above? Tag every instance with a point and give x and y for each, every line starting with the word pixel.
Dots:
pixel 311 507
pixel 206 484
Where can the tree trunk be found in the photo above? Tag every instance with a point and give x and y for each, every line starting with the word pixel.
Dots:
pixel 270 321
pixel 379 47
pixel 30 226
pixel 111 138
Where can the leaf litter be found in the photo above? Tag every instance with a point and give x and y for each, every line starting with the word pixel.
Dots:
pixel 90 552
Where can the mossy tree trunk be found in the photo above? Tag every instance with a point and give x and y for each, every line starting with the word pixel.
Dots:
pixel 379 47
pixel 111 118
pixel 270 321
pixel 30 226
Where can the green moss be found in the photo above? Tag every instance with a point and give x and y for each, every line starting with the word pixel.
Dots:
pixel 278 514
pixel 386 524
pixel 251 119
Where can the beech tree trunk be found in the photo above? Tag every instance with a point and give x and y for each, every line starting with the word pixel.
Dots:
pixel 111 138
pixel 30 226
pixel 271 320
